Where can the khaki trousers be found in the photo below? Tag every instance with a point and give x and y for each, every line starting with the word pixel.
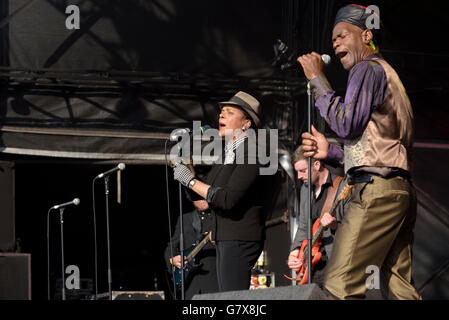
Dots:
pixel 376 232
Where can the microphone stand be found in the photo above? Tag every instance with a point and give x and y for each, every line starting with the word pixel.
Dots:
pixel 294 223
pixel 106 190
pixel 181 231
pixel 181 241
pixel 309 188
pixel 61 219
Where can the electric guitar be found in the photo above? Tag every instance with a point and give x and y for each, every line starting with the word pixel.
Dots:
pixel 189 257
pixel 317 230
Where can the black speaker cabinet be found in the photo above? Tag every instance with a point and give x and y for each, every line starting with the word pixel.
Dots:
pixel 15 276
pixel 7 210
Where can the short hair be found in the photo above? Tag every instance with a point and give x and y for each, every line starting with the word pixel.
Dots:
pixel 298 155
pixel 246 116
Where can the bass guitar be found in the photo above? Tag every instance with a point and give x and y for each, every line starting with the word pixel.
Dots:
pixel 190 259
pixel 317 231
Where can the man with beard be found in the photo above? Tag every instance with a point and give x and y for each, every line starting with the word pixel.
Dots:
pixel 322 182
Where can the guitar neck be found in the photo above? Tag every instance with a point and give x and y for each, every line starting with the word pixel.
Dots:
pixel 197 249
pixel 332 212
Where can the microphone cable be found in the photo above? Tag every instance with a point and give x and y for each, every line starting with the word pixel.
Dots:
pixel 48 254
pixel 169 218
pixel 95 239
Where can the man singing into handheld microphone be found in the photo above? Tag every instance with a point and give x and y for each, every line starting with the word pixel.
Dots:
pixel 375 120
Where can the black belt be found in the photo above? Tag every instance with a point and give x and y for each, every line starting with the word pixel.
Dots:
pixel 360 177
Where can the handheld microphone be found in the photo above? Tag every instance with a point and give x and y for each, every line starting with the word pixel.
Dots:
pixel 175 134
pixel 75 201
pixel 120 167
pixel 294 64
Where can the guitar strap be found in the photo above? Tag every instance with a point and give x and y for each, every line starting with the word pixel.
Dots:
pixel 331 195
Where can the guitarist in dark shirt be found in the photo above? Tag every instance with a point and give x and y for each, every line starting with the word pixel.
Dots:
pixel 202 276
pixel 322 181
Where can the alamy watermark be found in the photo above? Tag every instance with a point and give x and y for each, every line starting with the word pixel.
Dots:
pixel 72 282
pixel 373 21
pixel 73 20
pixel 262 147
pixel 373 280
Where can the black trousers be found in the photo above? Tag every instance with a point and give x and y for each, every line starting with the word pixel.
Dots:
pixel 235 259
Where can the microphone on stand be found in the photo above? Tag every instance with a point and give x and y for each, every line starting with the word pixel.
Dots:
pixel 61 207
pixel 294 64
pixel 191 136
pixel 120 167
pixel 177 133
pixel 75 201
pixel 105 175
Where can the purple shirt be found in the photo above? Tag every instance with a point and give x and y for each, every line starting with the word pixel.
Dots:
pixel 348 117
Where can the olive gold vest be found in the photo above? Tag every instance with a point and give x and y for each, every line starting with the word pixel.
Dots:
pixel 388 136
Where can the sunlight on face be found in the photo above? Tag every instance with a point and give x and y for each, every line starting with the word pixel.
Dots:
pixel 302 172
pixel 232 121
pixel 301 169
pixel 348 44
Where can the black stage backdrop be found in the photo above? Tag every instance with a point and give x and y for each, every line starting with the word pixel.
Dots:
pixel 134 71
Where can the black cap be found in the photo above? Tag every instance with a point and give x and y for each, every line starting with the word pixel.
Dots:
pixel 353 14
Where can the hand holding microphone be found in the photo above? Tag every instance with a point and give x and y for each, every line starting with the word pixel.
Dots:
pixel 182 174
pixel 176 134
pixel 311 63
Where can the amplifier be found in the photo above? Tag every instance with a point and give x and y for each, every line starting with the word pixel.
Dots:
pixel 7 211
pixel 15 276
